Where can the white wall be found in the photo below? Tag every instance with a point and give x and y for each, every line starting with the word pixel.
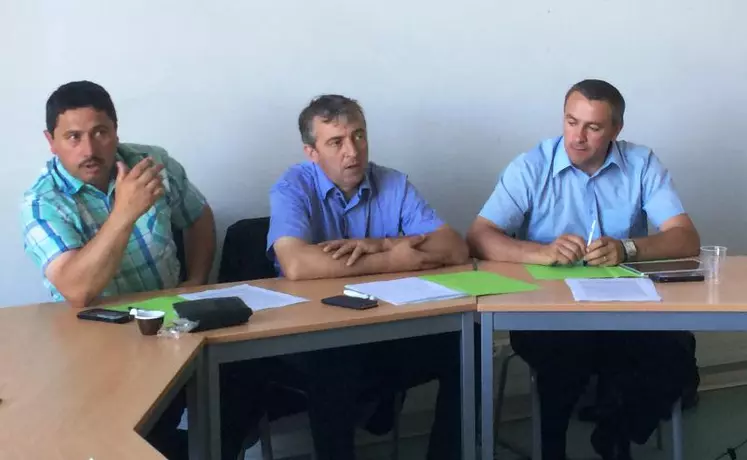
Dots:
pixel 452 91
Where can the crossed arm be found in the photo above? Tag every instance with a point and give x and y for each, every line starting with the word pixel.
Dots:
pixel 339 258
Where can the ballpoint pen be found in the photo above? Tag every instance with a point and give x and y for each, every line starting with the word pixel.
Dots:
pixel 591 235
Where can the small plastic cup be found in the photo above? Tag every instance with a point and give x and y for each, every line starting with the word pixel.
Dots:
pixel 712 259
pixel 149 322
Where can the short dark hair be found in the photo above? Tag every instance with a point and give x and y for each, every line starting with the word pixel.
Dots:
pixel 329 107
pixel 600 90
pixel 77 95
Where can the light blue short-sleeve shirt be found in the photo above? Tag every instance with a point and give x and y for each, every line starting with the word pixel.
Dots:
pixel 305 204
pixel 541 195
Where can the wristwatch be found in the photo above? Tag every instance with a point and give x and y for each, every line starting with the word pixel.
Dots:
pixel 630 250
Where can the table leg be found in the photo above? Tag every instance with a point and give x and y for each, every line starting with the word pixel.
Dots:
pixel 469 440
pixel 213 409
pixel 486 370
pixel 197 410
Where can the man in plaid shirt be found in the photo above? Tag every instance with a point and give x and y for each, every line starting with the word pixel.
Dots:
pixel 98 223
pixel 98 220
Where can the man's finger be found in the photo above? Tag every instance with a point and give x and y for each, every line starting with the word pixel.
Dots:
pixel 565 255
pixel 600 257
pixel 122 171
pixel 344 249
pixel 355 255
pixel 141 166
pixel 596 244
pixel 330 245
pixel 596 253
pixel 576 252
pixel 577 240
pixel 150 174
pixel 417 241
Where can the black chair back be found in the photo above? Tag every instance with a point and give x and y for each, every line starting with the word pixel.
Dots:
pixel 178 236
pixel 244 254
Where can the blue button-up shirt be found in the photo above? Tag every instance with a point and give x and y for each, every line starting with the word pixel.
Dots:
pixel 305 204
pixel 541 195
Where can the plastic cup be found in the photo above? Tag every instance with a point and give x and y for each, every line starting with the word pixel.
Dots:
pixel 712 259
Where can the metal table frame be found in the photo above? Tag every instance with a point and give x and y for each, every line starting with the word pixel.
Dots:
pixel 216 354
pixel 193 379
pixel 589 321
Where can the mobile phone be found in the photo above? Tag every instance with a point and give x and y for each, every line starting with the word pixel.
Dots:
pixel 346 301
pixel 107 316
pixel 676 277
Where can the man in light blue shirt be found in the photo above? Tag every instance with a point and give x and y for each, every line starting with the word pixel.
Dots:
pixel 544 207
pixel 340 215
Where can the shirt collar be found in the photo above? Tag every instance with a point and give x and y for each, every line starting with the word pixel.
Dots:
pixel 562 162
pixel 67 182
pixel 70 184
pixel 325 185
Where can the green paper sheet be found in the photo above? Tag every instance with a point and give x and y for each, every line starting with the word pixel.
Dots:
pixel 478 283
pixel 542 272
pixel 165 304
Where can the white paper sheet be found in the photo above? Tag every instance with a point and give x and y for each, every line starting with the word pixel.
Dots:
pixel 613 290
pixel 255 297
pixel 406 290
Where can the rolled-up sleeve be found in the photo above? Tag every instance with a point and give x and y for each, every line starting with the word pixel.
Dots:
pixel 289 215
pixel 508 205
pixel 47 232
pixel 417 216
pixel 660 199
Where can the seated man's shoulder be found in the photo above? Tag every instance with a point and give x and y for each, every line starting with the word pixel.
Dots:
pixel 384 174
pixel 537 159
pixel 639 158
pixel 301 176
pixel 635 152
pixel 45 190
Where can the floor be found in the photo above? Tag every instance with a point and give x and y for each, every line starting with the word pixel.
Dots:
pixel 717 423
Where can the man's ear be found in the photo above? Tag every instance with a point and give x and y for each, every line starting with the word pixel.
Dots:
pixel 311 153
pixel 617 132
pixel 50 140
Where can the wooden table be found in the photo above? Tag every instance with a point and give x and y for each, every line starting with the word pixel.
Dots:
pixel 313 326
pixel 685 306
pixel 74 389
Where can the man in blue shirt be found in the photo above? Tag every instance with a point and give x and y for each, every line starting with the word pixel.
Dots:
pixel 542 210
pixel 339 215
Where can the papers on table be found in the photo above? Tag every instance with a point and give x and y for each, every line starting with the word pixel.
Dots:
pixel 255 297
pixel 405 290
pixel 613 290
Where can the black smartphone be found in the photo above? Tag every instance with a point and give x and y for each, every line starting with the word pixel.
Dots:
pixel 107 316
pixel 346 301
pixel 676 277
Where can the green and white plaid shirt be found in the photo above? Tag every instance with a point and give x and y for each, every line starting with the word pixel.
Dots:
pixel 61 213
